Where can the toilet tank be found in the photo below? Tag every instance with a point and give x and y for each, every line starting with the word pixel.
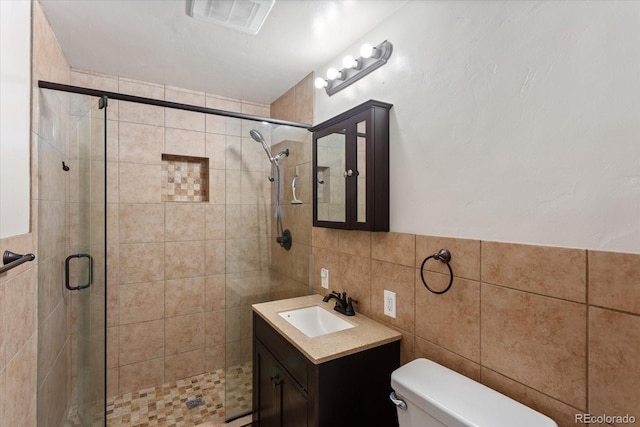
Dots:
pixel 436 396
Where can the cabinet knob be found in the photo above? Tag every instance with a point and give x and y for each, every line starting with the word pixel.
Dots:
pixel 275 381
pixel 348 173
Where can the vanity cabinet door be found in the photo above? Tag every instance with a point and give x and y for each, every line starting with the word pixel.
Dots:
pixel 268 389
pixel 351 169
pixel 280 402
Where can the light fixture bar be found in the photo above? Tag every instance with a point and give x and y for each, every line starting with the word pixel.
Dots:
pixel 365 66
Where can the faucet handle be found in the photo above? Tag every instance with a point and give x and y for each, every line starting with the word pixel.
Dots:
pixel 350 311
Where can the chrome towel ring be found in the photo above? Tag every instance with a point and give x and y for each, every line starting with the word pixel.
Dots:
pixel 443 255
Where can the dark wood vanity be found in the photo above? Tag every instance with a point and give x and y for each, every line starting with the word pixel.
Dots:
pixel 290 390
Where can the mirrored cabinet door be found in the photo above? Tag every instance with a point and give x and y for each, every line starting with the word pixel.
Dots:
pixel 351 166
pixel 330 185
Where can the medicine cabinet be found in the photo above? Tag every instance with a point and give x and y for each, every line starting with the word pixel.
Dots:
pixel 351 169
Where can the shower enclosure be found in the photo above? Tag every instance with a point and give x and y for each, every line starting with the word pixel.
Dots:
pixel 192 227
pixel 71 194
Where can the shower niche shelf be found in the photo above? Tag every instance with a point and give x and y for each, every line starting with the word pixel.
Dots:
pixel 185 178
pixel 351 169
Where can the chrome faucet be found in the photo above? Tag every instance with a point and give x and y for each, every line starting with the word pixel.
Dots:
pixel 343 305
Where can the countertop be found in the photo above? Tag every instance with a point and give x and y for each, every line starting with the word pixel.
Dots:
pixel 368 333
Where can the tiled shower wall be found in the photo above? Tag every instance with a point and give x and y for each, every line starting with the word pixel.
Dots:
pixel 555 328
pixel 20 316
pixel 295 105
pixel 168 260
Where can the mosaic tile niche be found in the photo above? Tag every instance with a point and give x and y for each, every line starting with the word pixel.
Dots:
pixel 185 178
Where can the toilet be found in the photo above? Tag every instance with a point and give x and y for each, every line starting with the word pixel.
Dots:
pixel 427 394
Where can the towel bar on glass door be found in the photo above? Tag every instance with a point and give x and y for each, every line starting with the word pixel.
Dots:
pixel 11 260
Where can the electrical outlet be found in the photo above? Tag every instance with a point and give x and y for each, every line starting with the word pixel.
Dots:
pixel 324 276
pixel 390 303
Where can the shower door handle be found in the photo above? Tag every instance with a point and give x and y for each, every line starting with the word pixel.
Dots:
pixel 66 272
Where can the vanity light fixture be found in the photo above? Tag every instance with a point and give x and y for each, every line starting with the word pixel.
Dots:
pixel 372 57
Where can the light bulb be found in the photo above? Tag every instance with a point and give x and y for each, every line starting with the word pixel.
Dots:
pixel 320 83
pixel 349 62
pixel 367 51
pixel 333 74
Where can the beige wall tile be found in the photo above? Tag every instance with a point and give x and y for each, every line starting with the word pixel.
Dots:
pixel 253 109
pixel 326 238
pixel 215 327
pixel 556 272
pixel 614 363
pixel 561 413
pixel 355 275
pixel 21 382
pixel 399 279
pixel 141 222
pixel 215 257
pixel 465 256
pixel 304 102
pixel 141 342
pixel 398 248
pixel 215 220
pixel 215 145
pixel 141 262
pixel 141 302
pixel 214 358
pixel 184 96
pixel 184 333
pixel 450 320
pixel 217 187
pixel 614 280
pixel 138 143
pixel 184 259
pixel 141 375
pixel 141 88
pixel 112 382
pixel 20 311
pixel 184 365
pixel 185 142
pixel 140 183
pixel 215 292
pixel 536 340
pixel 113 344
pixel 93 80
pixel 355 243
pixel 140 113
pixel 185 221
pixel 447 358
pixel 185 296
pixel 53 333
pixel 283 108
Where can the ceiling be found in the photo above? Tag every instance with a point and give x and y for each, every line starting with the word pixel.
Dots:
pixel 157 41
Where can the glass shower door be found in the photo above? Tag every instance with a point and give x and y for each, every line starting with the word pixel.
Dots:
pixel 90 269
pixel 72 267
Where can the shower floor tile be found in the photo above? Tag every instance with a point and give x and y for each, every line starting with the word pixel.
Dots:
pixel 166 405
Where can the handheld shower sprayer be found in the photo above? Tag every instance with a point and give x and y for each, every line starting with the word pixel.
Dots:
pixel 284 236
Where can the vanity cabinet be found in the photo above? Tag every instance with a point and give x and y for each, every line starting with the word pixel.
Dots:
pixel 351 169
pixel 289 390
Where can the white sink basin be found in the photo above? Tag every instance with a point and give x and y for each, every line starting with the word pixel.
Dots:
pixel 314 321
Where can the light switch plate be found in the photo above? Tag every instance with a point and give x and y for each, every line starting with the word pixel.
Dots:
pixel 324 277
pixel 390 303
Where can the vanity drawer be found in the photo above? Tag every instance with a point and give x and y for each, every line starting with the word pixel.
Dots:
pixel 287 355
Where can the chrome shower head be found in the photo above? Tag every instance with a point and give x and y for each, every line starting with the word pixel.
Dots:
pixel 257 136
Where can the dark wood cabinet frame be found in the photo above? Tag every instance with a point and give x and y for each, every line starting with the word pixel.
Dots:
pixel 376 115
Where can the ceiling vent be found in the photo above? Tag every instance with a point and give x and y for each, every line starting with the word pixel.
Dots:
pixel 242 15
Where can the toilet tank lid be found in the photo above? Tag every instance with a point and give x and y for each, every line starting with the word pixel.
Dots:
pixel 457 400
